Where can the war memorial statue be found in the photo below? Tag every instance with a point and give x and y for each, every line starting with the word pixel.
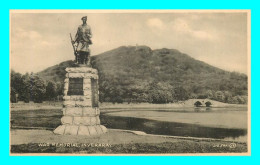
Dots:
pixel 80 106
pixel 82 41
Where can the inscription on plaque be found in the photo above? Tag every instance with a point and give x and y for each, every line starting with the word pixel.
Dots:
pixel 75 86
pixel 94 92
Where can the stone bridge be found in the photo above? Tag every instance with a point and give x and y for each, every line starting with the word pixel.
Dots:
pixel 199 102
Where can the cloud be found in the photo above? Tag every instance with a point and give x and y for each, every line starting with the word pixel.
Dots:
pixel 23 38
pixel 182 26
pixel 20 33
pixel 202 35
pixel 155 23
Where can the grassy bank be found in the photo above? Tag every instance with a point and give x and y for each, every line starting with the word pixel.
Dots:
pixel 107 105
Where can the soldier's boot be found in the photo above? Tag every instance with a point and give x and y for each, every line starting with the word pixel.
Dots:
pixel 81 59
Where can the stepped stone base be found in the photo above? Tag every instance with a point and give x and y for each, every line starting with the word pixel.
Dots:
pixel 80 130
pixel 80 105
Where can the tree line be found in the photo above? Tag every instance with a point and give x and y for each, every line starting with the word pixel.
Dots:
pixel 161 93
pixel 31 87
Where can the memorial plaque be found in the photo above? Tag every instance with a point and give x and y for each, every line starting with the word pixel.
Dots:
pixel 75 86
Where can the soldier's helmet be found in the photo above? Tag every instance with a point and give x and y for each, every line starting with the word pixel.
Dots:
pixel 85 17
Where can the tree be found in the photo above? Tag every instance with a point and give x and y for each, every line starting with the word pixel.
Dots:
pixel 38 88
pixel 180 93
pixel 13 95
pixel 234 100
pixel 245 99
pixel 113 94
pixel 240 99
pixel 160 93
pixel 25 94
pixel 59 88
pixel 193 96
pixel 227 95
pixel 219 96
pixel 51 90
pixel 202 96
pixel 159 97
pixel 209 94
pixel 16 85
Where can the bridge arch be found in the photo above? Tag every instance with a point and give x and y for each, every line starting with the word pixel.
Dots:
pixel 208 104
pixel 197 104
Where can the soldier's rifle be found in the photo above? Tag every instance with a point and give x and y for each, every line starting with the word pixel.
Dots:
pixel 74 49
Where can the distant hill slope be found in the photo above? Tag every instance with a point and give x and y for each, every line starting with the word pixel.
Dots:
pixel 131 73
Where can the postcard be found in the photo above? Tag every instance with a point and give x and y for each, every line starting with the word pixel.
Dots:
pixel 130 82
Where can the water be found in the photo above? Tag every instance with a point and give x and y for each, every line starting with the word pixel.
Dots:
pixel 219 123
pixel 172 128
pixel 50 119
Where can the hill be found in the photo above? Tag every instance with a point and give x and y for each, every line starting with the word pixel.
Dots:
pixel 140 74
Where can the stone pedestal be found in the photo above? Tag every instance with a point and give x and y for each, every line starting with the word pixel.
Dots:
pixel 80 106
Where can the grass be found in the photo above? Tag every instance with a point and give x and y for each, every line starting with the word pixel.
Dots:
pixel 136 148
pixel 115 142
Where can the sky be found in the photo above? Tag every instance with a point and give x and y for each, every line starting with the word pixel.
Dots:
pixel 219 38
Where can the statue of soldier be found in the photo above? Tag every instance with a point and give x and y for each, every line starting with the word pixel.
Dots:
pixel 83 40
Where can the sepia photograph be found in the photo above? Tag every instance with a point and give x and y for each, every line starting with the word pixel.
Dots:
pixel 130 82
